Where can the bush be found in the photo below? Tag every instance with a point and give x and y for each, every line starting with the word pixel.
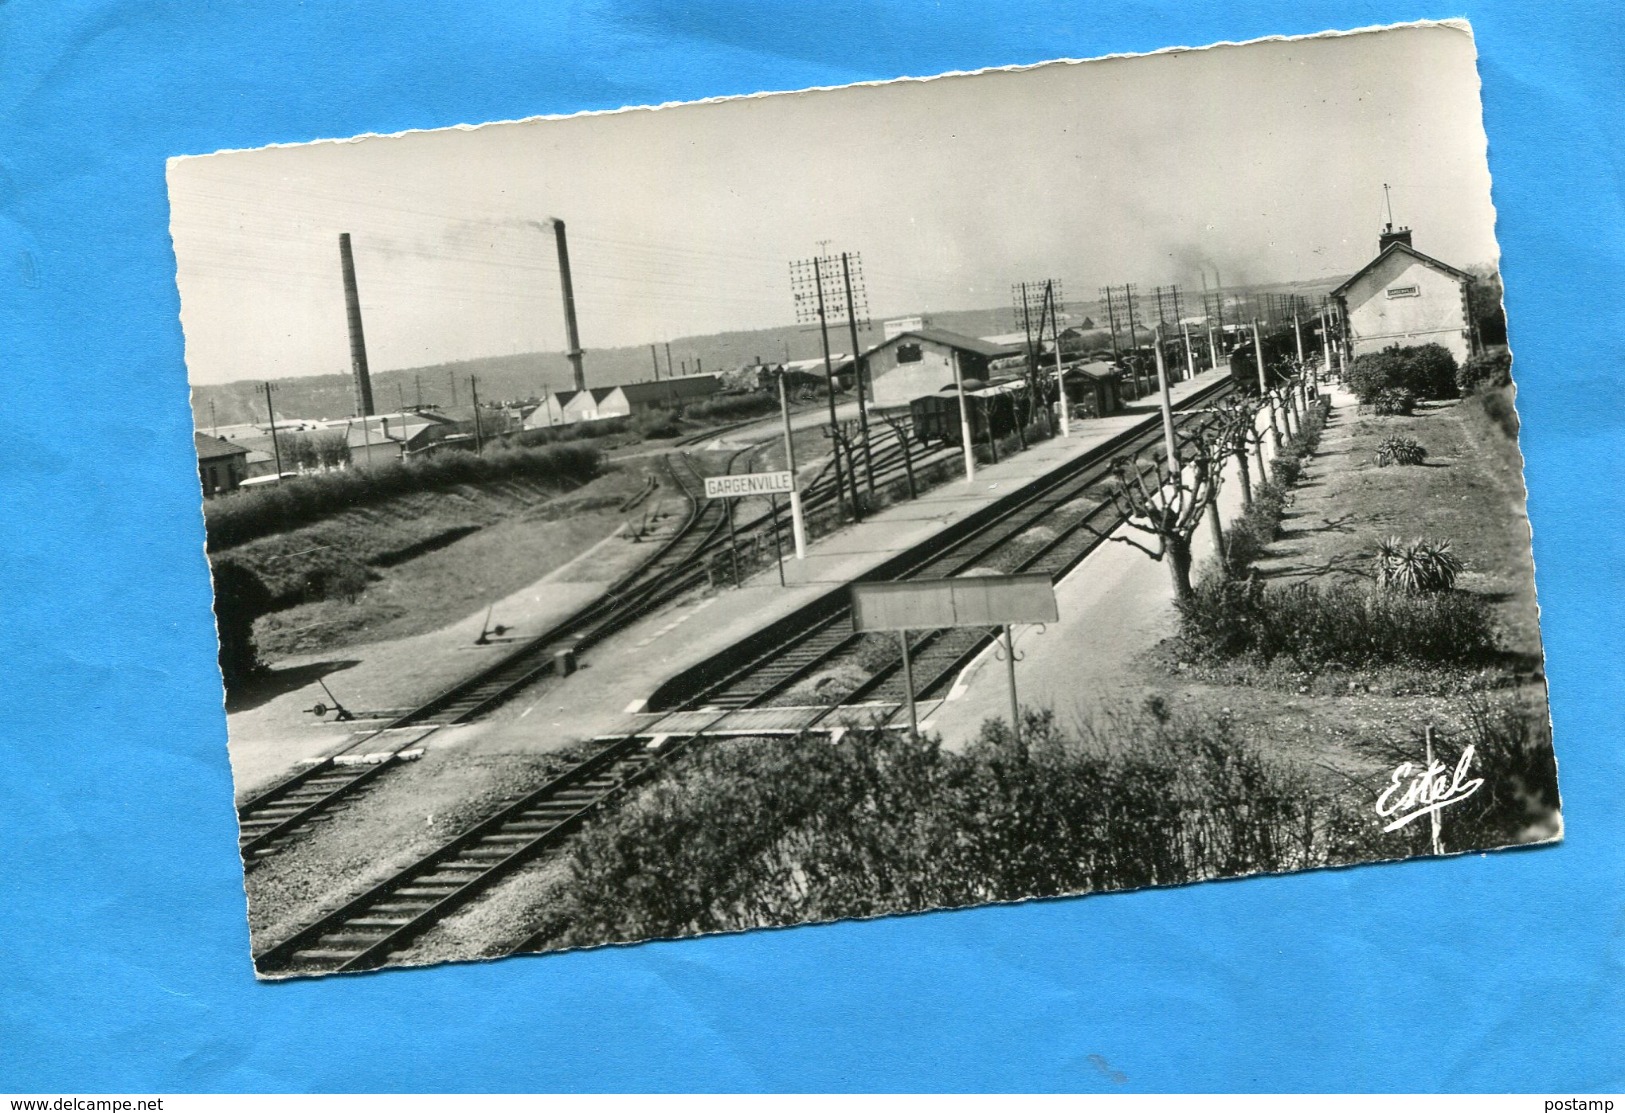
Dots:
pixel 1343 625
pixel 1286 468
pixel 1426 371
pixel 1485 372
pixel 1420 568
pixel 575 431
pixel 731 407
pixel 656 425
pixel 240 597
pixel 308 498
pixel 750 833
pixel 1497 406
pixel 1400 450
pixel 1258 525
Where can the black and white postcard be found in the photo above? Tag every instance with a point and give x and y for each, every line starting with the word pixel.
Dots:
pixel 1029 483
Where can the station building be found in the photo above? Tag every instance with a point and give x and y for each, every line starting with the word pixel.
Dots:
pixel 921 361
pixel 1406 298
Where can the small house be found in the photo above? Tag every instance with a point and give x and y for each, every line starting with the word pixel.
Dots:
pixel 1094 389
pixel 221 465
pixel 1406 298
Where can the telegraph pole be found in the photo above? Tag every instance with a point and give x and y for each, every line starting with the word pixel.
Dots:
pixel 479 433
pixel 1133 337
pixel 1111 318
pixel 1169 440
pixel 1264 389
pixel 857 375
pixel 829 379
pixel 655 357
pixel 1060 370
pixel 276 450
pixel 1026 326
pixel 964 420
pixel 668 359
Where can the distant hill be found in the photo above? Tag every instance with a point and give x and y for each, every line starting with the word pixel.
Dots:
pixel 528 374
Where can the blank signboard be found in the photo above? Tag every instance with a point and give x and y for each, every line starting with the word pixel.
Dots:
pixel 966 601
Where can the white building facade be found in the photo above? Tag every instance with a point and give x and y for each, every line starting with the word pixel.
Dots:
pixel 1406 298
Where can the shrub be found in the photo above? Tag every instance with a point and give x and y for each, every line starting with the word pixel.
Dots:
pixel 240 597
pixel 656 425
pixel 575 431
pixel 1372 373
pixel 1497 406
pixel 1393 402
pixel 1419 568
pixel 308 498
pixel 749 832
pixel 1342 624
pixel 1286 468
pixel 1258 525
pixel 1400 450
pixel 1426 371
pixel 1485 372
pixel 1216 620
pixel 731 407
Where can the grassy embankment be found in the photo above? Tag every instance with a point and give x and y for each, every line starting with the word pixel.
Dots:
pixel 360 555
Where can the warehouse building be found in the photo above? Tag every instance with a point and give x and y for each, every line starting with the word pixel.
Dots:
pixel 921 361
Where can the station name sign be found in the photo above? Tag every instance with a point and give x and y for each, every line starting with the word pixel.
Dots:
pixel 742 486
pixel 962 601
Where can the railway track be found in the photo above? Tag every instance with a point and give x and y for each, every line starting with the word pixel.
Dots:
pixel 363 932
pixel 1049 527
pixel 367 929
pixel 271 816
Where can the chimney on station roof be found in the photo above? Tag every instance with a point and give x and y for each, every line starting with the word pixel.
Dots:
pixel 1390 234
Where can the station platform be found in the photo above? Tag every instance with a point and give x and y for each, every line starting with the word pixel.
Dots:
pixel 615 678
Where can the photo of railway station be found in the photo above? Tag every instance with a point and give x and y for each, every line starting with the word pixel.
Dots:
pixel 864 501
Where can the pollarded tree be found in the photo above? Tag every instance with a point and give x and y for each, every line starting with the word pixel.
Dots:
pixel 1235 433
pixel 1168 505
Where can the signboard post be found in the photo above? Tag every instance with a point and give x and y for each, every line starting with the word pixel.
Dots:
pixel 730 487
pixel 963 601
pixel 798 525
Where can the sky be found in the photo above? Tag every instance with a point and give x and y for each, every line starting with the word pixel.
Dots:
pixel 1262 162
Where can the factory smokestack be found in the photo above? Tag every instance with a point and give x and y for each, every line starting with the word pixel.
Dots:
pixel 573 354
pixel 358 341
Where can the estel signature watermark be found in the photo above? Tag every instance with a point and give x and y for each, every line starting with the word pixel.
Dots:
pixel 1416 791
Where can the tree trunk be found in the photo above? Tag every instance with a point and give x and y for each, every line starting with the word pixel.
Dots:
pixel 908 464
pixel 1246 479
pixel 1218 534
pixel 1179 567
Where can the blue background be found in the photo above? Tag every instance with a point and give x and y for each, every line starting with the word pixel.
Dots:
pixel 123 948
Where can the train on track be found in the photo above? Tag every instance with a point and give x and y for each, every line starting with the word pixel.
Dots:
pixel 1280 349
pixel 994 405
